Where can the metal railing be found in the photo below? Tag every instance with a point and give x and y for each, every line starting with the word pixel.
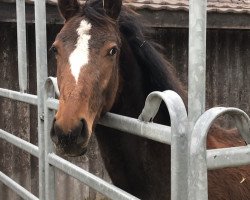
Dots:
pixel 41 66
pixel 175 136
pixel 189 162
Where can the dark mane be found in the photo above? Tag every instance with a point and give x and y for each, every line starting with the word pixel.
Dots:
pixel 94 11
pixel 160 74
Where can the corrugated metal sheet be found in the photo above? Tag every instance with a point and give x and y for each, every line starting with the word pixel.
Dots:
pixel 223 6
pixel 228 84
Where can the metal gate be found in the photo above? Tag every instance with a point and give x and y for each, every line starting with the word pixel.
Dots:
pixel 187 135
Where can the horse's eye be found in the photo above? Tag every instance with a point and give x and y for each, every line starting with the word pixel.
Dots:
pixel 54 49
pixel 113 51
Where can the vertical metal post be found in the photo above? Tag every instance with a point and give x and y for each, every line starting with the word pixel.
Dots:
pixel 21 45
pixel 197 60
pixel 179 137
pixel 48 119
pixel 41 67
pixel 198 186
pixel 196 85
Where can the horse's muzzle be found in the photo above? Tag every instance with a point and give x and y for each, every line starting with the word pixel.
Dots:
pixel 73 142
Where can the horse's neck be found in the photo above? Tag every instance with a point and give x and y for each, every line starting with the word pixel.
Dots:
pixel 131 93
pixel 133 90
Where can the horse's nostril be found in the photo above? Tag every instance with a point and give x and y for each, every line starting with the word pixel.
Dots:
pixel 83 133
pixel 53 133
pixel 78 135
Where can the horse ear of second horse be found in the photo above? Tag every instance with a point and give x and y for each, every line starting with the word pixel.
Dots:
pixel 68 8
pixel 112 7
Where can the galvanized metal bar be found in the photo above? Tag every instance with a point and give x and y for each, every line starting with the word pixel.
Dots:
pixel 196 83
pixel 21 44
pixel 94 182
pixel 20 143
pixel 198 164
pixel 149 130
pixel 179 137
pixel 156 132
pixel 53 82
pixel 23 97
pixel 52 103
pixel 228 157
pixel 197 60
pixel 48 119
pixel 42 73
pixel 22 192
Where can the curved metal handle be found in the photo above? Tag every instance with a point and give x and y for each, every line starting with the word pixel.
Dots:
pixel 179 136
pixel 52 81
pixel 197 163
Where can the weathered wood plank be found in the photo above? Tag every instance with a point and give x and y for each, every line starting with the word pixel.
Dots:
pixel 156 18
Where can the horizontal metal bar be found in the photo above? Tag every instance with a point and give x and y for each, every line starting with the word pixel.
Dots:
pixel 156 132
pixel 20 143
pixel 23 97
pixel 25 194
pixel 228 157
pixel 94 182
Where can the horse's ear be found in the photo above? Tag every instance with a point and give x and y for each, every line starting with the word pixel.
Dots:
pixel 112 7
pixel 68 8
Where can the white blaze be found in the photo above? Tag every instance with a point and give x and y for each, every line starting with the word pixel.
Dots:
pixel 80 56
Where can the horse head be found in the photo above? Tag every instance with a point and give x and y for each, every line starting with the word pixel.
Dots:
pixel 87 52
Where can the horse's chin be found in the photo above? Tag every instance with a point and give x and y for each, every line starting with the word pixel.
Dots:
pixel 77 154
pixel 72 152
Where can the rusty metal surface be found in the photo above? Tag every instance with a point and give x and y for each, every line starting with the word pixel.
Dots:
pixel 228 84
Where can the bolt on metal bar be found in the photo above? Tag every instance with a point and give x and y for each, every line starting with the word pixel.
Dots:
pixel 94 182
pixel 22 192
pixel 23 97
pixel 197 60
pixel 42 73
pixel 228 157
pixel 20 143
pixel 21 44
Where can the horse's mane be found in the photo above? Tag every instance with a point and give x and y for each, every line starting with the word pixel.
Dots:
pixel 158 72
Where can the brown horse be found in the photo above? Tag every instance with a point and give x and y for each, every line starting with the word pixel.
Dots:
pixel 105 64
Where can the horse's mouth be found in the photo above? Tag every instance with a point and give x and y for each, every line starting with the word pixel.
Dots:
pixel 80 153
pixel 72 152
